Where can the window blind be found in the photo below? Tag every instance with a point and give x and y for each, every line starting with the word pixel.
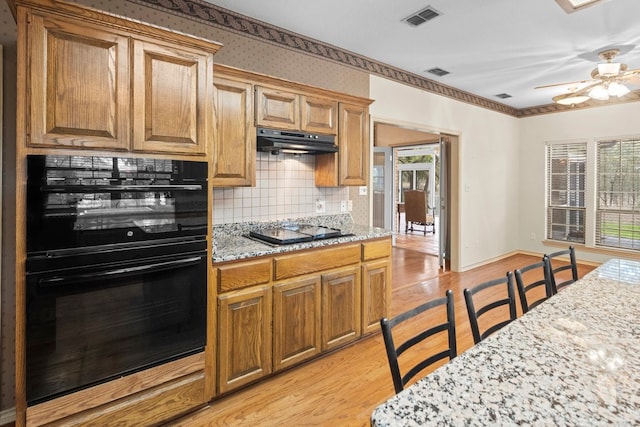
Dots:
pixel 566 168
pixel 618 193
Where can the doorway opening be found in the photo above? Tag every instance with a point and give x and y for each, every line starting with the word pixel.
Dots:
pixel 407 158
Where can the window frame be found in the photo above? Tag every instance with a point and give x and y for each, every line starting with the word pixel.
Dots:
pixel 631 227
pixel 592 174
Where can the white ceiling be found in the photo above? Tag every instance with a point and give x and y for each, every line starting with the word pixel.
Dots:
pixel 489 46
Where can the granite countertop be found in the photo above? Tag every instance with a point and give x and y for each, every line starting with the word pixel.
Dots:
pixel 230 242
pixel 573 360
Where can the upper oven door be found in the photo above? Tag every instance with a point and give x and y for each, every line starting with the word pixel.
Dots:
pixel 78 201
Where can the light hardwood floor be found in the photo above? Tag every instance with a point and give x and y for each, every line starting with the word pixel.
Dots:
pixel 344 387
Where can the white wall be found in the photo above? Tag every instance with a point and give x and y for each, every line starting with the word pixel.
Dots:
pixel 587 124
pixel 489 179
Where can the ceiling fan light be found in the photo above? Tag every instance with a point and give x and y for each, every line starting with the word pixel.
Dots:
pixel 609 69
pixel 570 99
pixel 599 92
pixel 617 89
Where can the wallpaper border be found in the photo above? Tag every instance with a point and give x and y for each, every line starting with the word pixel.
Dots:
pixel 223 18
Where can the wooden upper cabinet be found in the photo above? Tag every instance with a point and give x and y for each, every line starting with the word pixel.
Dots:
pixel 288 110
pixel 170 99
pixel 318 114
pixel 78 85
pixel 234 137
pixel 99 81
pixel 353 145
pixel 277 108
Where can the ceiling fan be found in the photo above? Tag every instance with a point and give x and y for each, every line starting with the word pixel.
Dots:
pixel 607 80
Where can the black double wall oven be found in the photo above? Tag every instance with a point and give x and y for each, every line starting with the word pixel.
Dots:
pixel 116 268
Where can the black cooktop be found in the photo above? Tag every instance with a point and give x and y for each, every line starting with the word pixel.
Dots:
pixel 290 234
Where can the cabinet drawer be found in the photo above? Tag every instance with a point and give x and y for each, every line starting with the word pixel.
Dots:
pixel 378 249
pixel 242 275
pixel 317 260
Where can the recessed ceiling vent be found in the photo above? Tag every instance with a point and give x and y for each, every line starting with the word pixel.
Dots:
pixel 422 16
pixel 503 95
pixel 438 71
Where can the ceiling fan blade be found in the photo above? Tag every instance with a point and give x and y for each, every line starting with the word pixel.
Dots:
pixel 578 82
pixel 631 76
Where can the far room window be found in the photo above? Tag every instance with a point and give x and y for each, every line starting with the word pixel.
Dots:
pixel 617 221
pixel 566 173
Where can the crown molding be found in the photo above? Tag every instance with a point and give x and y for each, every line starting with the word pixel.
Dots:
pixel 216 16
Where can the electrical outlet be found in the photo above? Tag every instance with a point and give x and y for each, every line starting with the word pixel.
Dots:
pixel 320 206
pixel 363 190
pixel 343 206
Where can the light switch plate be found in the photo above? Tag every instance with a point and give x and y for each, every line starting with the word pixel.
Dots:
pixel 363 190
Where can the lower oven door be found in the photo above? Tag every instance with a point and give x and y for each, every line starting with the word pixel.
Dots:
pixel 89 325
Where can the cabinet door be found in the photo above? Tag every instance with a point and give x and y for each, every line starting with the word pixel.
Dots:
pixel 376 287
pixel 277 108
pixel 234 138
pixel 318 115
pixel 340 307
pixel 296 323
pixel 244 337
pixel 171 99
pixel 78 80
pixel 353 143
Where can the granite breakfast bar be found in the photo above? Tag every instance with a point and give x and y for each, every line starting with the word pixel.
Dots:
pixel 573 360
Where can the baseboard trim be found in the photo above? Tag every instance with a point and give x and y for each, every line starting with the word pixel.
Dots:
pixel 7 416
pixel 489 261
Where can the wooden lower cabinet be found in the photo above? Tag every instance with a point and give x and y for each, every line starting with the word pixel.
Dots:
pixel 376 293
pixel 244 337
pixel 276 312
pixel 340 307
pixel 296 322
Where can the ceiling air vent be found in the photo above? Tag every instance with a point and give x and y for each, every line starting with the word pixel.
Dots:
pixel 422 16
pixel 503 95
pixel 438 71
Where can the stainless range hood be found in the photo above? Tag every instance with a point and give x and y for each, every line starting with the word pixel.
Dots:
pixel 282 141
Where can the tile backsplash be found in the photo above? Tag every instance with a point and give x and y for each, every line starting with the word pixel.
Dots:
pixel 284 189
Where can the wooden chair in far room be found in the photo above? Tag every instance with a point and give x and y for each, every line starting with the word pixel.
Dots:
pixel 562 274
pixel 490 299
pixel 534 284
pixel 425 343
pixel 416 211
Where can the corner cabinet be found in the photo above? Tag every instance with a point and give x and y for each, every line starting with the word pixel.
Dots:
pixel 110 85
